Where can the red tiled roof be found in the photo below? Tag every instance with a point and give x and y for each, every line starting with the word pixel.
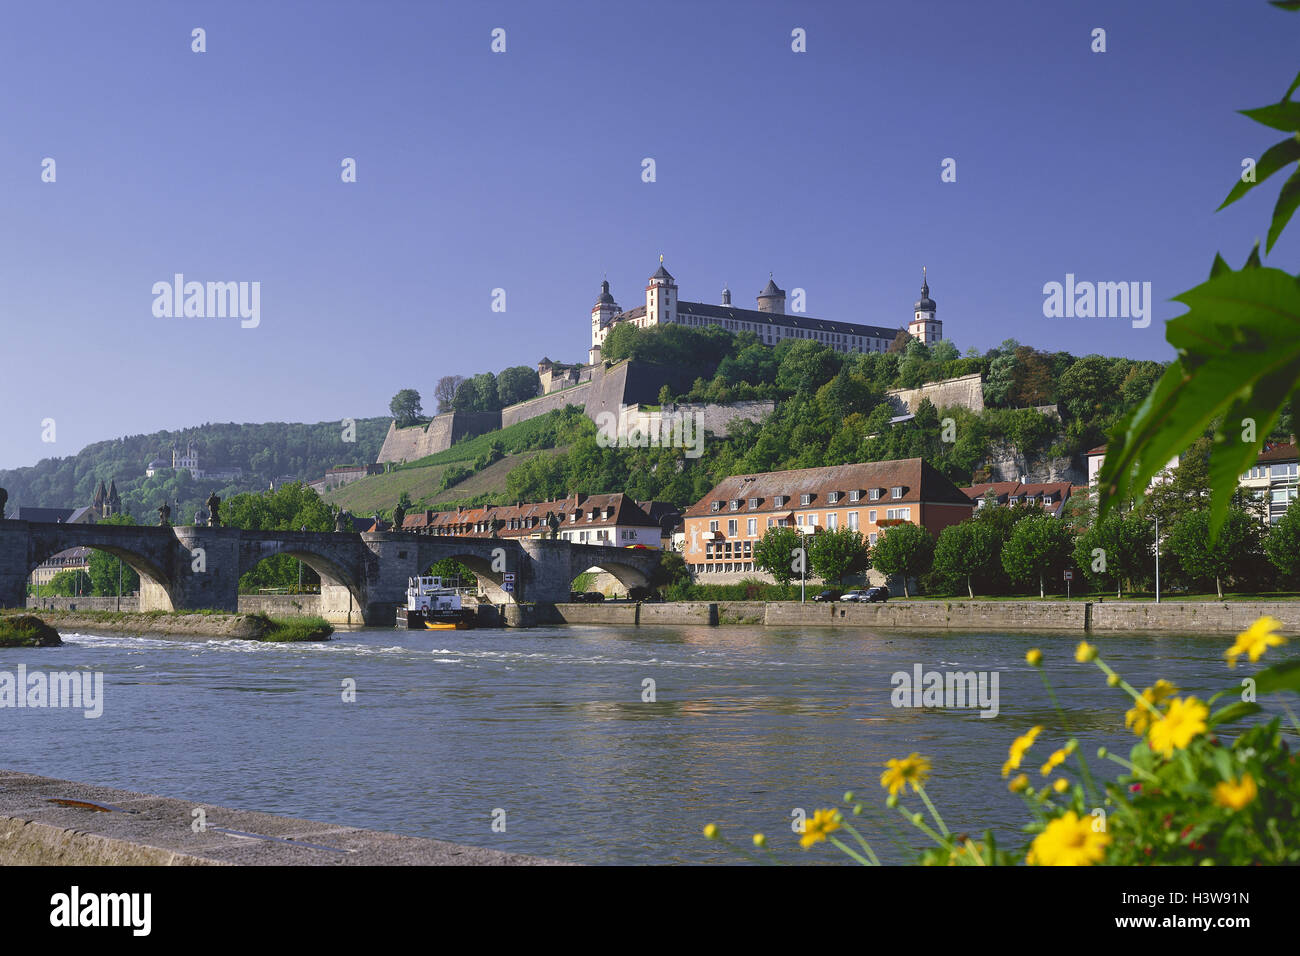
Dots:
pixel 919 481
pixel 1278 453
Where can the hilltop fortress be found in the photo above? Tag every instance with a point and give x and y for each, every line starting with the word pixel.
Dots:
pixel 619 389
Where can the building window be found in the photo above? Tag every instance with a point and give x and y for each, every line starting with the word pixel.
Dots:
pixel 731 528
pixel 854 495
pixel 872 537
pixel 897 491
pixel 832 521
pixel 715 506
pixel 752 528
pixel 832 497
pixel 753 502
pixel 873 494
pixel 805 499
pixel 713 526
pixel 853 521
pixel 770 522
pixel 779 500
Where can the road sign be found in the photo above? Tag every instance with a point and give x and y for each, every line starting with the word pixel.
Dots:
pixel 508 586
pixel 509 575
pixel 1069 575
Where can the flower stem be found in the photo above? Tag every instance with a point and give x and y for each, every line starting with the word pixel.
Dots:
pixel 925 797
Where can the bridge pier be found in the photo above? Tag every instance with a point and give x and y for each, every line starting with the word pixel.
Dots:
pixel 14 570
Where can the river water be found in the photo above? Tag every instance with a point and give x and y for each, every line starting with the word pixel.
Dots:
pixel 550 726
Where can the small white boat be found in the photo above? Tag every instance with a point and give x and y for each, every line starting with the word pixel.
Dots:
pixel 432 605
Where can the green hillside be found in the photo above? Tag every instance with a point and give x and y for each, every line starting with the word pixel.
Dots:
pixel 264 451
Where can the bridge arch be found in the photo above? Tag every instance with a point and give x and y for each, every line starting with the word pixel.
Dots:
pixel 478 555
pixel 149 558
pixel 342 595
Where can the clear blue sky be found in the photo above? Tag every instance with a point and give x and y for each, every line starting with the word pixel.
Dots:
pixel 523 171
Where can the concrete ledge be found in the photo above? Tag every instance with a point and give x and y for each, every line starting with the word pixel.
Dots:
pixel 144 830
pixel 684 612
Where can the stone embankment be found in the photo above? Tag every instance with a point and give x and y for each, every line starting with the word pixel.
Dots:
pixel 50 822
pixel 1178 616
pixel 201 626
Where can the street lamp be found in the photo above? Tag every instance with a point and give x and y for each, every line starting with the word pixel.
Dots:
pixel 1157 559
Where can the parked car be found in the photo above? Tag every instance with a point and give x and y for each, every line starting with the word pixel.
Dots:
pixel 854 595
pixel 830 594
pixel 642 594
pixel 585 597
pixel 875 595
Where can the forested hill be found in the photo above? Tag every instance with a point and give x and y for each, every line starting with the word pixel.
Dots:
pixel 264 451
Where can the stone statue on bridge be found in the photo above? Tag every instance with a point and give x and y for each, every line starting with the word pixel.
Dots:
pixel 164 515
pixel 214 510
pixel 342 521
pixel 553 523
pixel 4 499
pixel 399 517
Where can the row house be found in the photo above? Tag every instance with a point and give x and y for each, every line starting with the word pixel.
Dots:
pixel 722 528
pixel 1051 496
pixel 613 519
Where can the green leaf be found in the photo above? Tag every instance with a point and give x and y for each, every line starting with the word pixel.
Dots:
pixel 1284 116
pixel 1274 158
pixel 1237 711
pixel 1286 4
pixel 1239 357
pixel 1284 676
pixel 1295 85
pixel 1287 201
pixel 1219 266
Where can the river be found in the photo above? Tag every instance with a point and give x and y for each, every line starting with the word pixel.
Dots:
pixel 550 726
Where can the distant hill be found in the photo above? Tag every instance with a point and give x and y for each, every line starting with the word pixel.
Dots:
pixel 263 451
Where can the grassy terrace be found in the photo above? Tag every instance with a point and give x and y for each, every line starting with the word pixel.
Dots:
pixel 276 630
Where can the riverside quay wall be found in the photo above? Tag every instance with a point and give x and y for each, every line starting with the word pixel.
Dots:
pixel 49 822
pixel 1178 616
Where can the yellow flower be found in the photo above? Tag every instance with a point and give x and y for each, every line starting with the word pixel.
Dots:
pixel 815 830
pixel 1112 680
pixel 1018 783
pixel 711 831
pixel 1034 657
pixel 760 841
pixel 913 769
pixel 1254 641
pixel 1068 841
pixel 1061 785
pixel 1175 730
pixel 1055 760
pixel 1235 794
pixel 1085 652
pixel 1018 748
pixel 1141 717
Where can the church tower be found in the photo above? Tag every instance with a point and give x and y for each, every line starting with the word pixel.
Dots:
pixel 924 326
pixel 661 298
pixel 113 503
pixel 100 502
pixel 602 314
pixel 772 298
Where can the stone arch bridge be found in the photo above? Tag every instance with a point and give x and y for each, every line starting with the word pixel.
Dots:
pixel 363 576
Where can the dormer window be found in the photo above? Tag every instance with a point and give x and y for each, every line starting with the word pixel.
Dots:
pixel 1013 500
pixel 735 504
pixel 753 502
pixel 854 495
pixel 778 500
pixel 832 497
pixel 715 506
pixel 873 494
pixel 896 491
pixel 805 499
pixel 1047 499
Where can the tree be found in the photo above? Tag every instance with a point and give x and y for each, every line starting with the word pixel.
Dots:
pixel 445 391
pixel 518 384
pixel 1116 549
pixel 1039 546
pixel 901 341
pixel 103 567
pixel 832 554
pixel 904 549
pixel 776 552
pixel 405 407
pixel 1283 542
pixel 1202 556
pixel 965 550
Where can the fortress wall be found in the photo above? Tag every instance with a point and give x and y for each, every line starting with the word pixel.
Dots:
pixel 417 441
pixel 966 392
